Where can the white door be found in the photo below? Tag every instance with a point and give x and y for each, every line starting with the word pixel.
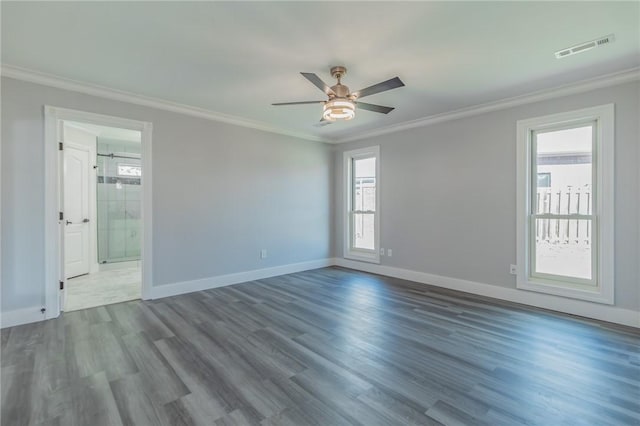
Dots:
pixel 77 163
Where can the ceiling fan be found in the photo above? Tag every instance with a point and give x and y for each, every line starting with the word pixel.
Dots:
pixel 342 103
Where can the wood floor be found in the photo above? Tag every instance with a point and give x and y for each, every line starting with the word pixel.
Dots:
pixel 325 347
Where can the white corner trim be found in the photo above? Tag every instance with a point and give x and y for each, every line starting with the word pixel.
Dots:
pixel 50 80
pixel 560 304
pixel 21 316
pixel 175 289
pixel 607 80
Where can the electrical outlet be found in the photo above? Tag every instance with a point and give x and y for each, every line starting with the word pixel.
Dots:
pixel 513 269
pixel 389 252
pixel 263 254
pixel 381 251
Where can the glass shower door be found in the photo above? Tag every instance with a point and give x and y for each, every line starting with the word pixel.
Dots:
pixel 118 198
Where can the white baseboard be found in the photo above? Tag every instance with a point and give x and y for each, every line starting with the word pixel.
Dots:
pixel 21 316
pixel 560 304
pixel 166 290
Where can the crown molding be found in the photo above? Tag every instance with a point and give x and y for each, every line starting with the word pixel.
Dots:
pixel 31 76
pixel 607 80
pixel 50 80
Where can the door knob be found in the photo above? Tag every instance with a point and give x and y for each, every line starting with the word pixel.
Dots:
pixel 69 222
pixel 85 220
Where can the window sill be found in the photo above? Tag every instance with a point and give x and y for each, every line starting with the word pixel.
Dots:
pixel 596 295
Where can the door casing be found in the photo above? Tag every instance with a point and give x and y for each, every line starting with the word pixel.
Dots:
pixel 54 118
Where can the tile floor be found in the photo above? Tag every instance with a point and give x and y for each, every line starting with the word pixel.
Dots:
pixel 102 288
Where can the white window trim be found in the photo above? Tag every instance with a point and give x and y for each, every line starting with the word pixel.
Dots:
pixel 349 252
pixel 603 115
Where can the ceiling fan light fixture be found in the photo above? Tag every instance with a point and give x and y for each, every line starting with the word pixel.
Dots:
pixel 341 104
pixel 339 109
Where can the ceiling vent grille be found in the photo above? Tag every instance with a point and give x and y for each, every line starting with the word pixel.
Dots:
pixel 583 47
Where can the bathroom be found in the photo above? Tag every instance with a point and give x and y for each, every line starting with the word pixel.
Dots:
pixel 102 205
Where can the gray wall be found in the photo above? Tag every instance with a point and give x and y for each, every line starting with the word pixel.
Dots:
pixel 220 193
pixel 448 193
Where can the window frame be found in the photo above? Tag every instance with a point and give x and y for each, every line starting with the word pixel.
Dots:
pixel 595 238
pixel 601 288
pixel 350 252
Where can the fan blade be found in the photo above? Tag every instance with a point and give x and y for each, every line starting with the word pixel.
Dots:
pixel 318 83
pixel 374 108
pixel 299 103
pixel 322 122
pixel 380 87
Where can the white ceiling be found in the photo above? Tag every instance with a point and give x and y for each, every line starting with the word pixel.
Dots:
pixel 236 58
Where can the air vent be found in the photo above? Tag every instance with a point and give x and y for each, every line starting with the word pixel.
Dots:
pixel 583 47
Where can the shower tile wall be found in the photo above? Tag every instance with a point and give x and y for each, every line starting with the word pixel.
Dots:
pixel 118 204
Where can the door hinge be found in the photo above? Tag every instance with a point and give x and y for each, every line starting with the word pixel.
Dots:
pixel 61 285
pixel 60 216
pixel 60 146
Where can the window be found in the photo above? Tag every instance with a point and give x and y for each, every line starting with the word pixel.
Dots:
pixel 565 204
pixel 129 170
pixel 362 179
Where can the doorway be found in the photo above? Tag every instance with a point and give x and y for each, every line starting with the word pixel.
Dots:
pixel 101 203
pixel 98 185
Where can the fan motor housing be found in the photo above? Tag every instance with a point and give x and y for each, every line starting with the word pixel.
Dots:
pixel 340 90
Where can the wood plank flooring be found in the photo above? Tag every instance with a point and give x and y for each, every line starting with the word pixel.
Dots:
pixel 324 347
